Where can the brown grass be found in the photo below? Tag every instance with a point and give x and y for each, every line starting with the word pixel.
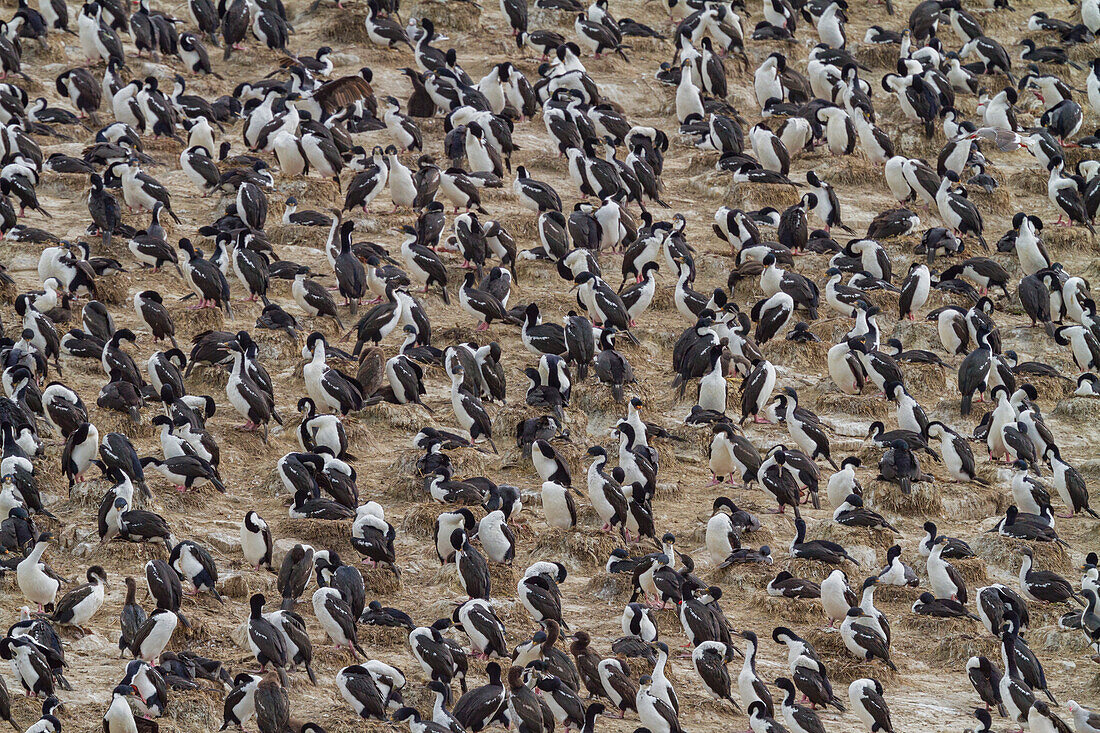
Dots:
pixel 867 407
pixel 851 170
pixel 321 533
pixel 923 501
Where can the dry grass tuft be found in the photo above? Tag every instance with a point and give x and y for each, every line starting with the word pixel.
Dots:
pixel 576 548
pixel 812 569
pixel 402 417
pixel 923 501
pixel 1004 552
pixel 878 55
pixel 347 28
pixel 896 594
pixel 403 481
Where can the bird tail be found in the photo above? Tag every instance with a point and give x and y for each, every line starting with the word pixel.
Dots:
pixel 309 671
pixel 359 649
pixel 217 596
pixel 964 407
pixel 1001 710
pixel 906 485
pixel 217 483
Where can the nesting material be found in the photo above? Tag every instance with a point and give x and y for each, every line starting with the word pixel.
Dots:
pixel 842 666
pixel 1004 552
pixel 112 290
pixel 923 501
pixel 321 533
pixel 276 346
pixel 954 649
pixel 851 169
pixel 503 578
pixel 381 580
pixel 576 548
pixel 1078 408
pixel 403 481
pixel 1068 239
pixel 867 407
pixel 879 540
pixel 932 625
pixel 759 195
pixel 457 16
pixel 382 636
pixel 792 610
pixel 808 358
pixel 610 587
pixel 812 569
pixel 973 570
pixel 197 320
pixel 348 28
pixel 878 55
pixel 926 379
pixel 419 520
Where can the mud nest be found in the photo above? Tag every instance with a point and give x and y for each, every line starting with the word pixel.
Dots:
pixel 842 666
pixel 197 320
pixel 459 16
pixel 575 548
pixel 759 195
pixel 851 170
pixel 879 540
pixel 923 501
pixel 321 533
pixel 1078 408
pixel 382 636
pixel 401 417
pixel 954 649
pixel 792 610
pixel 867 407
pixel 1004 552
pixel 931 625
pixel 503 578
pixel 611 588
pixel 419 520
pixel 112 290
pixel 973 571
pixel 276 346
pixel 1068 239
pixel 878 55
pixel 380 581
pixel 348 28
pixel 927 379
pixel 809 358
pixel 403 481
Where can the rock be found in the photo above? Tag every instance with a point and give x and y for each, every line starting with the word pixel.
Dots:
pixel 224 541
pixel 92 643
pixel 236 586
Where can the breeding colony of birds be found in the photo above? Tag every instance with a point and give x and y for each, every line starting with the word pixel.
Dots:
pixel 640 366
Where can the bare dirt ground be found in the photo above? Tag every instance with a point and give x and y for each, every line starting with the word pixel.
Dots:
pixel 929 693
